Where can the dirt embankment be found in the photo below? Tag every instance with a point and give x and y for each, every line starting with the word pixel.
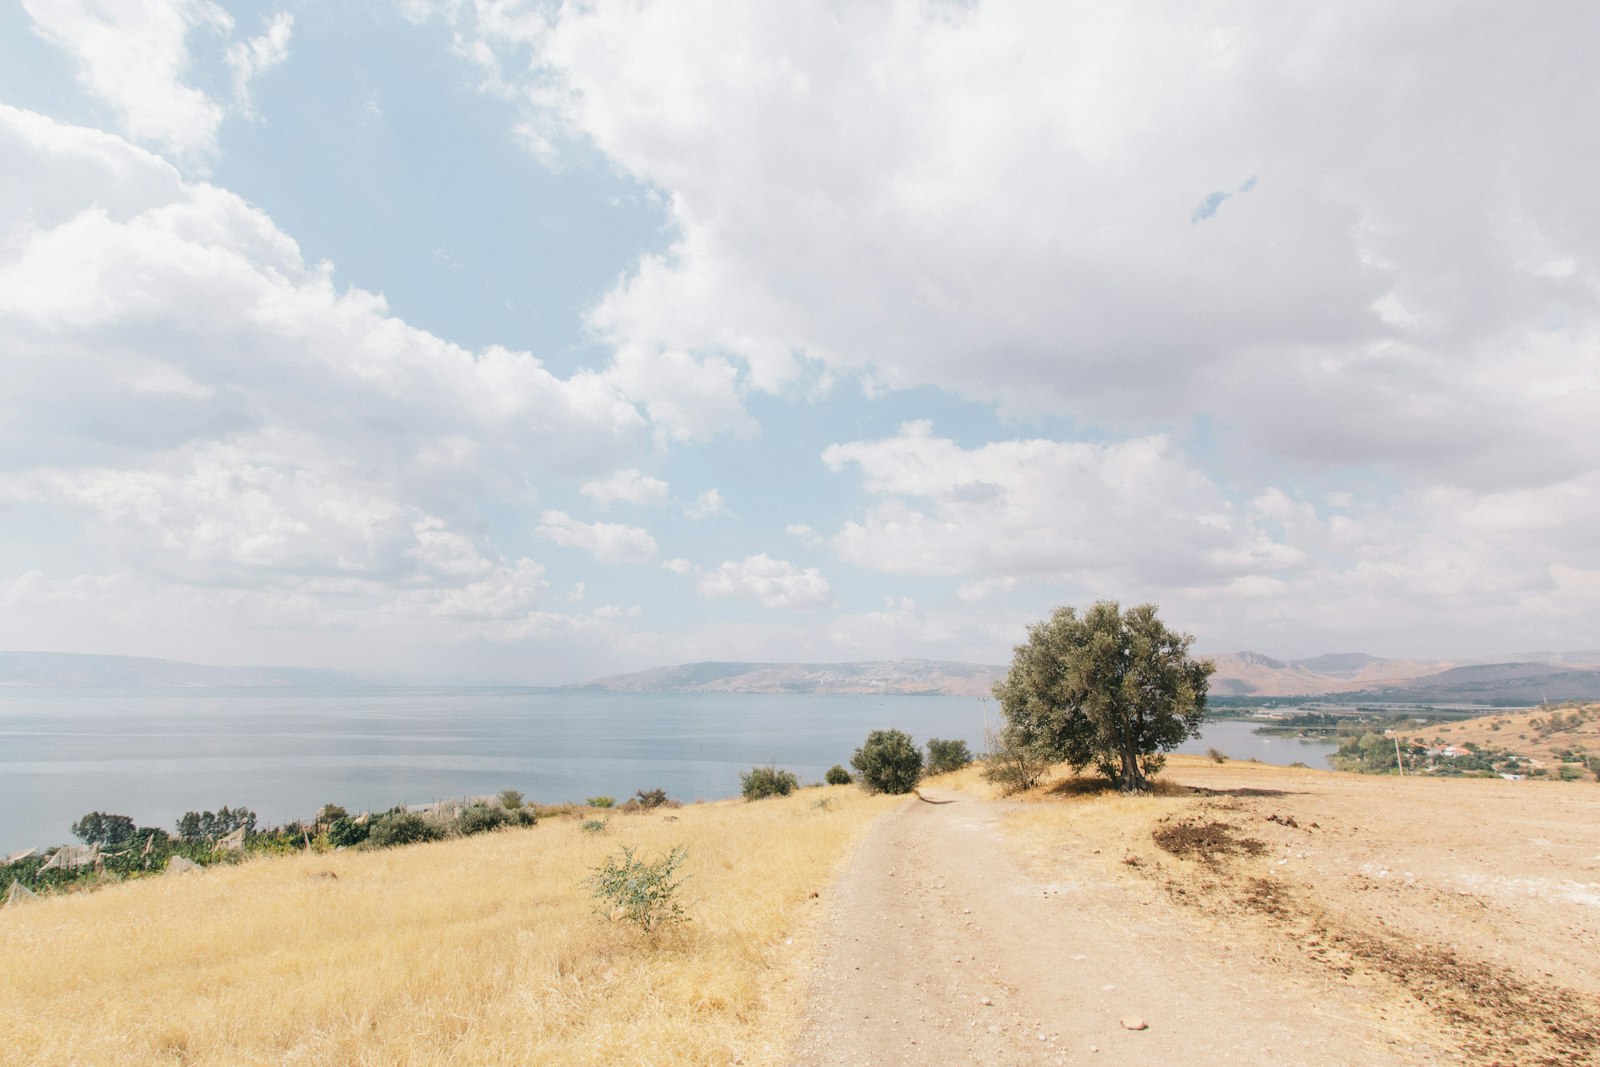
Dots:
pixel 1246 915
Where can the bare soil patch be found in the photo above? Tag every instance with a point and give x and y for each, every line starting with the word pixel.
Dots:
pixel 1461 915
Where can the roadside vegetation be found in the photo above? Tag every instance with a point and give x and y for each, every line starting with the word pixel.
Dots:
pixel 115 849
pixel 479 949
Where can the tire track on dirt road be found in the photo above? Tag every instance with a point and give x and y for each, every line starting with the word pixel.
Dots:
pixel 938 949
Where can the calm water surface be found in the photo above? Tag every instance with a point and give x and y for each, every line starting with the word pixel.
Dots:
pixel 154 754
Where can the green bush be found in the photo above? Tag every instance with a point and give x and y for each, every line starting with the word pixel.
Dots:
pixel 1217 755
pixel 525 817
pixel 401 828
pixel 601 802
pixel 510 799
pixel 345 832
pixel 946 756
pixel 837 775
pixel 593 826
pixel 644 894
pixel 480 818
pixel 888 762
pixel 760 782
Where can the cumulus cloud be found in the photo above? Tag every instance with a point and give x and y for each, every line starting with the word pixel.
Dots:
pixel 1001 201
pixel 1136 509
pixel 776 583
pixel 134 55
pixel 708 505
pixel 213 413
pixel 803 533
pixel 607 542
pixel 627 487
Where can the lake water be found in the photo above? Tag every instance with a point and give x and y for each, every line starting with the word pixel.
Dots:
pixel 154 754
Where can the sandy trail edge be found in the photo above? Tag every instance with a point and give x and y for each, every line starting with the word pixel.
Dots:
pixel 931 916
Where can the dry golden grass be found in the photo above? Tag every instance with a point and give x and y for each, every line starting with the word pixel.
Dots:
pixel 483 950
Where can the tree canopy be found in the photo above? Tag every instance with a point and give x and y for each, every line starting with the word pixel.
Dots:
pixel 1110 687
pixel 888 762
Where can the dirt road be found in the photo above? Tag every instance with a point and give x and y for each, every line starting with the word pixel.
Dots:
pixel 940 949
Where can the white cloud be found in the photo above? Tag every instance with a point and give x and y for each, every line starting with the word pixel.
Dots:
pixel 607 542
pixel 983 588
pixel 776 583
pixel 1137 510
pixel 627 487
pixel 677 566
pixel 247 59
pixel 1000 200
pixel 708 505
pixel 218 420
pixel 803 533
pixel 134 55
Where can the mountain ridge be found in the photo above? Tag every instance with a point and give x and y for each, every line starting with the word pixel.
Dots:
pixel 78 670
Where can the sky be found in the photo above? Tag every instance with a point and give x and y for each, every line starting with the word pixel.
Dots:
pixel 512 342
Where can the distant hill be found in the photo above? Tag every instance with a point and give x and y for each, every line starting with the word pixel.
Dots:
pixel 57 669
pixel 1252 674
pixel 1493 683
pixel 934 677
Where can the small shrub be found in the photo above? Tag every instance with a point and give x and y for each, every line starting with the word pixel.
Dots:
pixel 344 832
pixel 760 782
pixel 593 826
pixel 525 817
pixel 601 802
pixel 1011 765
pixel 946 756
pixel 510 799
pixel 837 775
pixel 401 828
pixel 1303 766
pixel 480 818
pixel 328 813
pixel 649 799
pixel 645 894
pixel 1217 755
pixel 823 803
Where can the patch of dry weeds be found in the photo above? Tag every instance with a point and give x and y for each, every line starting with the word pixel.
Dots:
pixel 483 950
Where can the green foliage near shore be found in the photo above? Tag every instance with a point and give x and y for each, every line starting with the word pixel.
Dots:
pixel 945 756
pixel 119 849
pixel 888 762
pixel 758 783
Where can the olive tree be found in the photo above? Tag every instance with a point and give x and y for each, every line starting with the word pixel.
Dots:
pixel 1109 687
pixel 888 762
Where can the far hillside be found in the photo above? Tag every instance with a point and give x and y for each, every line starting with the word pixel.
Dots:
pixel 1557 742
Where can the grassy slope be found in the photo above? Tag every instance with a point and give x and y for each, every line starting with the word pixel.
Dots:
pixel 483 950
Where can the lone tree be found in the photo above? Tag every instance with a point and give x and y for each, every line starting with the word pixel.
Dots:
pixel 1109 687
pixel 888 762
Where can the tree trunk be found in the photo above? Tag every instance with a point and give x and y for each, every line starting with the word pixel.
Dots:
pixel 1133 781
